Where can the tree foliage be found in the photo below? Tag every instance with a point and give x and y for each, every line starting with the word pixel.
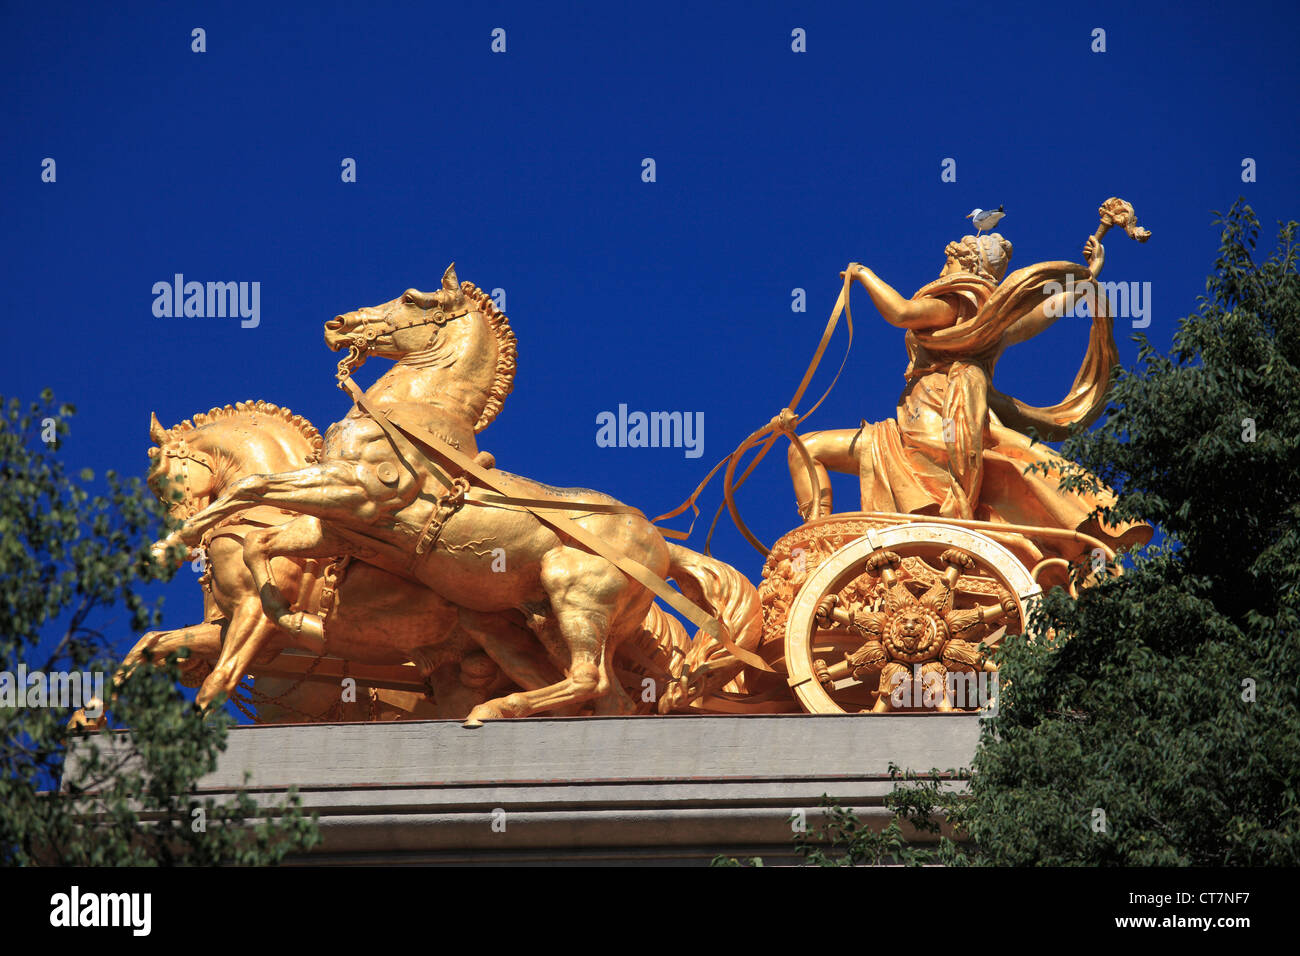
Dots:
pixel 843 839
pixel 67 557
pixel 1161 725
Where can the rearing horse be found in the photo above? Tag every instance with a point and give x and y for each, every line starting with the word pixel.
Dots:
pixel 404 620
pixel 376 495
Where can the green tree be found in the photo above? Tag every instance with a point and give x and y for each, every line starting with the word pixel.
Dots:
pixel 66 557
pixel 844 840
pixel 1161 726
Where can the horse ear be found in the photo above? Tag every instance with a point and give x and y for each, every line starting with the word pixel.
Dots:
pixel 156 432
pixel 449 280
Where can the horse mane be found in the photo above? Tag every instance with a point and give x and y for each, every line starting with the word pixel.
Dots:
pixel 507 353
pixel 244 409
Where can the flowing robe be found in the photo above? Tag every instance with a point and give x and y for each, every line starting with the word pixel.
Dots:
pixel 957 449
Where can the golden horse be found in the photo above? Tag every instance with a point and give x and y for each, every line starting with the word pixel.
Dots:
pixel 192 464
pixel 573 565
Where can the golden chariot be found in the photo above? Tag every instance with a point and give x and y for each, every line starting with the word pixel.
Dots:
pixel 852 599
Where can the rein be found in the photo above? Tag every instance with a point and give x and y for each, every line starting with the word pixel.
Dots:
pixel 783 423
pixel 552 512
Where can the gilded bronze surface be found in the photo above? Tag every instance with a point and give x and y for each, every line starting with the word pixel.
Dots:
pixel 393 553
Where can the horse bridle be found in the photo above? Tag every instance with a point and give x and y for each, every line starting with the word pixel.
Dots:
pixel 360 341
pixel 182 451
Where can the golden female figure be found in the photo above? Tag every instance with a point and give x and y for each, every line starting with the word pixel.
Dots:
pixel 957 447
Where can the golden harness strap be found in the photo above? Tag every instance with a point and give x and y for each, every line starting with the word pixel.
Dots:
pixel 553 513
pixel 782 424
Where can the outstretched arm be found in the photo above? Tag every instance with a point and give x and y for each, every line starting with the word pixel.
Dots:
pixel 1053 307
pixel 923 313
pixel 1095 253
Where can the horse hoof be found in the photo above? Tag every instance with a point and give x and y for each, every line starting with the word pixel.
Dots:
pixel 312 627
pixel 481 713
pixel 81 721
pixel 308 627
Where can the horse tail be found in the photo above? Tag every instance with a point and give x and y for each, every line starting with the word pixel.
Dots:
pixel 730 597
pixel 656 651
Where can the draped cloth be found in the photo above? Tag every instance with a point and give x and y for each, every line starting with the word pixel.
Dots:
pixel 957 447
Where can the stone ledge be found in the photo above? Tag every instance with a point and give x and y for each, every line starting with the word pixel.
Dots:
pixel 637 790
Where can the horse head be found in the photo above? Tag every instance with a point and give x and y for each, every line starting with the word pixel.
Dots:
pixel 191 464
pixel 182 476
pixel 410 323
pixel 455 336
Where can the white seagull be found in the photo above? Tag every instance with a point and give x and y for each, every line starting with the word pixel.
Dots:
pixel 985 218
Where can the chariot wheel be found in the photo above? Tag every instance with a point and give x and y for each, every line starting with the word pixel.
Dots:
pixel 893 613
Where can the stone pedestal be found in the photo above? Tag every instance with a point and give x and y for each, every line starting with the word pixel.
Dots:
pixel 637 790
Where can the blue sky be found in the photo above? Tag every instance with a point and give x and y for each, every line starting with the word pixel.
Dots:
pixel 774 169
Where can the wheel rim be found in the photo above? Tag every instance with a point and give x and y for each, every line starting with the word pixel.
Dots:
pixel 922 540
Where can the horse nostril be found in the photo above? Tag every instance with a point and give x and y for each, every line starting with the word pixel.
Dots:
pixel 335 324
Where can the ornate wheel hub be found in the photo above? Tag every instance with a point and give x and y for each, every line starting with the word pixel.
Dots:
pixel 904 609
pixel 914 635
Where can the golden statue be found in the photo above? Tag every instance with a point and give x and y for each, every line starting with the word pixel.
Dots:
pixel 400 486
pixel 393 552
pixel 957 446
pixel 956 452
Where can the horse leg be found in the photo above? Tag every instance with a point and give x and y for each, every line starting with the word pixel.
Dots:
pixel 516 650
pixel 202 640
pixel 615 700
pixel 246 635
pixel 330 490
pixel 452 698
pixel 303 537
pixel 512 648
pixel 585 591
